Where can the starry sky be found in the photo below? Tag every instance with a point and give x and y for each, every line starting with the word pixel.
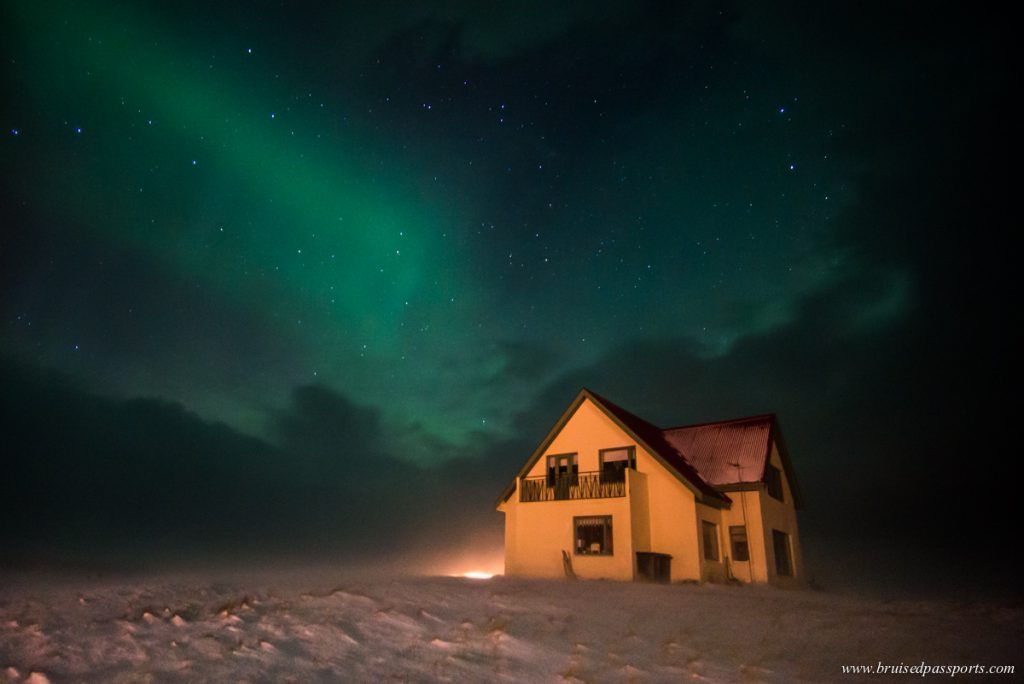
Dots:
pixel 265 265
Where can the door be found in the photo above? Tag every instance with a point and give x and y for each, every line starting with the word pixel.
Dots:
pixel 563 470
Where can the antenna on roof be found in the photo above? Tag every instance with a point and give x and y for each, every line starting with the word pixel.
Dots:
pixel 743 507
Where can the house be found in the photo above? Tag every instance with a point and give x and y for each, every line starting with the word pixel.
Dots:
pixel 609 495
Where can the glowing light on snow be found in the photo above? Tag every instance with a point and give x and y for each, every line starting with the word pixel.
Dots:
pixel 479 558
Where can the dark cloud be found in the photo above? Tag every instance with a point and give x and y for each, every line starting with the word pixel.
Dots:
pixel 83 473
pixel 87 478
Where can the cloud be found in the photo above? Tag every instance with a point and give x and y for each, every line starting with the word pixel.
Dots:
pixel 88 478
pixel 83 470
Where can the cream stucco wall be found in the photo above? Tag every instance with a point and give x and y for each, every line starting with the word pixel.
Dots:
pixel 544 529
pixel 673 518
pixel 746 511
pixel 710 570
pixel 587 432
pixel 540 531
pixel 658 513
pixel 781 515
pixel 761 513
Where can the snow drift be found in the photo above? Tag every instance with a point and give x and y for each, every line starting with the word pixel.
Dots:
pixel 303 629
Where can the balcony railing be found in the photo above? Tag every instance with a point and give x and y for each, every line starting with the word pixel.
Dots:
pixel 590 485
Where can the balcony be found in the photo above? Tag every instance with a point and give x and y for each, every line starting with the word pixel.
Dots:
pixel 587 485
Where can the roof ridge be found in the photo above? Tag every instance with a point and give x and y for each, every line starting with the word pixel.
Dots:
pixel 745 419
pixel 611 404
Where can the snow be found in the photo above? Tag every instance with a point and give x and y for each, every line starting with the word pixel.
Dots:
pixel 308 627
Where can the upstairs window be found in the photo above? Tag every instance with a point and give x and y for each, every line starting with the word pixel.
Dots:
pixel 773 481
pixel 738 539
pixel 562 469
pixel 614 462
pixel 592 535
pixel 710 534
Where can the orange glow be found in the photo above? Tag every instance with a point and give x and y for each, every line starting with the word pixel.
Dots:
pixel 477 557
pixel 477 574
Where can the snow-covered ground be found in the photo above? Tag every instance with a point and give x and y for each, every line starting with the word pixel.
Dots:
pixel 314 627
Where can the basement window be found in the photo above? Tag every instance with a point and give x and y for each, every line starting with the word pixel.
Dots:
pixel 773 481
pixel 710 534
pixel 738 539
pixel 592 535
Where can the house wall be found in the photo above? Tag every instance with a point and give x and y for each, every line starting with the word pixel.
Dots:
pixel 673 518
pixel 639 509
pixel 780 515
pixel 761 513
pixel 542 530
pixel 710 570
pixel 539 531
pixel 588 431
pixel 658 514
pixel 746 511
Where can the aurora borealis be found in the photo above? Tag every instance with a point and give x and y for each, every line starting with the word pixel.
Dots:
pixel 357 250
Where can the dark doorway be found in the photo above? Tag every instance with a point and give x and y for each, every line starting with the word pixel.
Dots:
pixel 563 474
pixel 653 567
pixel 783 557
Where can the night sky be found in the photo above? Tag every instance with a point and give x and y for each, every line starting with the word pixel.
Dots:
pixel 316 281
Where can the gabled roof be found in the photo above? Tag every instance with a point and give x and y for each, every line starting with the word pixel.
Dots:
pixel 728 454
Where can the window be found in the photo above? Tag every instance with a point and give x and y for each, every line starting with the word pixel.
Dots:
pixel 738 539
pixel 773 480
pixel 614 462
pixel 593 535
pixel 783 557
pixel 710 531
pixel 562 468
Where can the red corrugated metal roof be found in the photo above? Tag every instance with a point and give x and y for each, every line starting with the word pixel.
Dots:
pixel 726 452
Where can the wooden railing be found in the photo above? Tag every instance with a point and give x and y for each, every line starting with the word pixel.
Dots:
pixel 589 485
